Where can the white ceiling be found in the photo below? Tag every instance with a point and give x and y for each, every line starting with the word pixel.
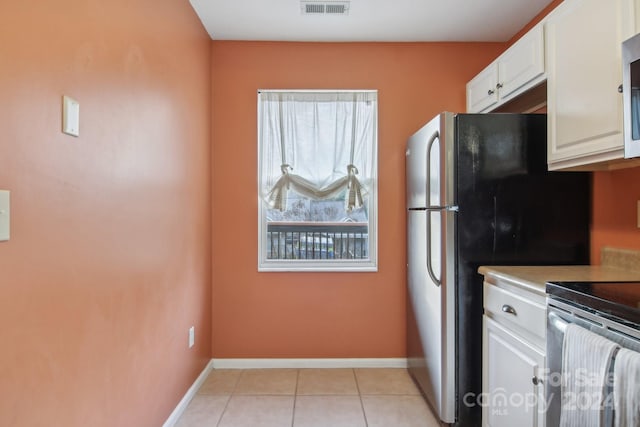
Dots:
pixel 368 20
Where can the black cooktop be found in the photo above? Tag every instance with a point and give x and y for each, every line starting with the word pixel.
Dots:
pixel 618 301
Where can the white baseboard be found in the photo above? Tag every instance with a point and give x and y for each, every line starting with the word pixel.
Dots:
pixel 308 363
pixel 175 415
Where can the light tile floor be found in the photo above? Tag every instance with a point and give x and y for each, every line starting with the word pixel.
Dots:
pixel 308 398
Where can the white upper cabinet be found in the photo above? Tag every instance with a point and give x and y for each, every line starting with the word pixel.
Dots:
pixel 482 92
pixel 518 69
pixel 521 64
pixel 584 72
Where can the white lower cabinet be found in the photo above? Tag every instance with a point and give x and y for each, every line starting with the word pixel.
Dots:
pixel 513 367
pixel 513 358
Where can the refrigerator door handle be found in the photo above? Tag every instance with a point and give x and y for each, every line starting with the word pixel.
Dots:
pixel 429 252
pixel 432 140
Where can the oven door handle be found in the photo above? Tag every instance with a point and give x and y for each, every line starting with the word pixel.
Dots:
pixel 557 322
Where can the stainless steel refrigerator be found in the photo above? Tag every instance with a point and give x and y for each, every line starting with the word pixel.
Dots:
pixel 478 193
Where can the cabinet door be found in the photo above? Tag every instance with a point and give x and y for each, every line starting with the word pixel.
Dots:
pixel 583 74
pixel 481 91
pixel 509 367
pixel 521 64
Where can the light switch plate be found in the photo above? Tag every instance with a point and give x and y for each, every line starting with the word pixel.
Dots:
pixel 5 216
pixel 70 116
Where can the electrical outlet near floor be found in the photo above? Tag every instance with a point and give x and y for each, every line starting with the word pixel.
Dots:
pixel 192 336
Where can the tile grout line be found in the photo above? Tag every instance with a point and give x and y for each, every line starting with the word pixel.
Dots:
pixel 226 405
pixel 364 413
pixel 295 398
pixel 229 398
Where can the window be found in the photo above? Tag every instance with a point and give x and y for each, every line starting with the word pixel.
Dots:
pixel 317 179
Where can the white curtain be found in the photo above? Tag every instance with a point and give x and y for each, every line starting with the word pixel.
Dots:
pixel 318 144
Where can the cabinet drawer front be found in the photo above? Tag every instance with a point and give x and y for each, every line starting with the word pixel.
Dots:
pixel 506 307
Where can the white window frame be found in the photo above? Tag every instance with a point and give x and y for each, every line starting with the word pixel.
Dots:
pixel 334 265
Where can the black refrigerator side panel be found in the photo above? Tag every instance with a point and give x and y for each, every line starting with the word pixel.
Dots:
pixel 512 211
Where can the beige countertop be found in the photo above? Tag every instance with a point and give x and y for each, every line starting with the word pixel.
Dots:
pixel 618 265
pixel 535 278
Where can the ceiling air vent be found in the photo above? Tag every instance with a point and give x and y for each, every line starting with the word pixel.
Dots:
pixel 325 7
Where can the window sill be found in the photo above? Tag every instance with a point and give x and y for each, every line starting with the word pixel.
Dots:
pixel 317 267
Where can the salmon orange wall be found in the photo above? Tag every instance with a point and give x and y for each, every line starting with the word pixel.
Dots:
pixel 615 221
pixel 320 315
pixel 109 258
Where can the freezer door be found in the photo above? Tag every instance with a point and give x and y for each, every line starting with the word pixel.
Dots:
pixel 423 166
pixel 430 158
